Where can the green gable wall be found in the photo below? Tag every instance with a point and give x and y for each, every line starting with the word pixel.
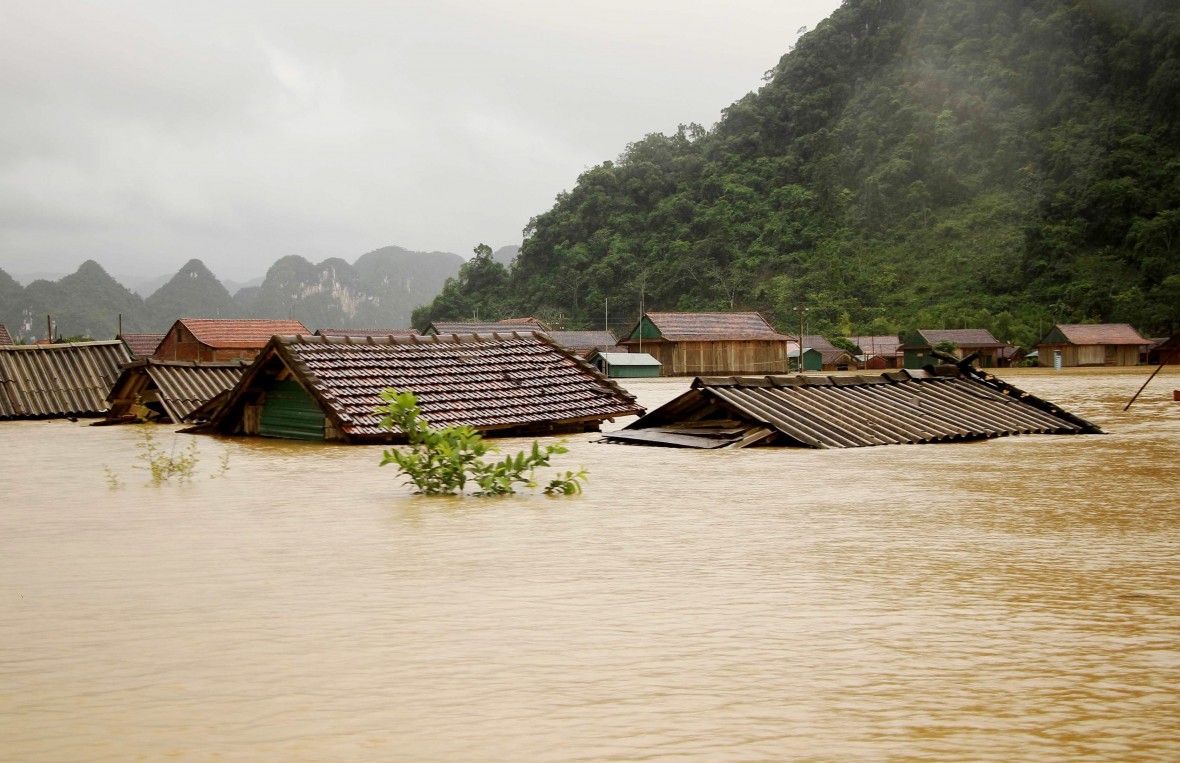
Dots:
pixel 290 412
pixel 645 330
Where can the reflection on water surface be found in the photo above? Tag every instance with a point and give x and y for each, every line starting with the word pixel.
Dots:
pixel 1014 599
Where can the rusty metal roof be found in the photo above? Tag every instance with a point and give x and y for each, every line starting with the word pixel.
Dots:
pixel 849 411
pixel 487 381
pixel 180 386
pixel 232 333
pixel 142 345
pixel 57 380
pixel 5 337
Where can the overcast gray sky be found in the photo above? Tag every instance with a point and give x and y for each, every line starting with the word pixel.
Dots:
pixel 142 133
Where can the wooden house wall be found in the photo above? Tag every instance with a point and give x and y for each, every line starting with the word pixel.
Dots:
pixel 1073 355
pixel 717 358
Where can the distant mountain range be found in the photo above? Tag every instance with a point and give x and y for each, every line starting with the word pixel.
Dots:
pixel 378 290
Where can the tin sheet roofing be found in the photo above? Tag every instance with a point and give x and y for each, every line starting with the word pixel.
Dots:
pixel 628 358
pixel 584 340
pixel 853 411
pixel 489 382
pixel 56 380
pixel 142 345
pixel 705 327
pixel 225 333
pixel 181 386
pixel 5 337
pixel 1101 333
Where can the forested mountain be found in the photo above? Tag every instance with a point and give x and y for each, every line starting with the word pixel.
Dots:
pixel 910 163
pixel 378 291
pixel 192 292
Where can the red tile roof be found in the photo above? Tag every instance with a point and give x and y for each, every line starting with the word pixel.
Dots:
pixel 5 337
pixel 510 382
pixel 233 333
pixel 706 327
pixel 1101 333
pixel 584 340
pixel 142 345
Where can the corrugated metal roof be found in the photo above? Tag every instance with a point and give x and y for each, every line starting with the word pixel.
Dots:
pixel 180 386
pixel 56 380
pixel 490 382
pixel 142 345
pixel 5 337
pixel 232 333
pixel 1101 333
pixel 853 411
pixel 704 327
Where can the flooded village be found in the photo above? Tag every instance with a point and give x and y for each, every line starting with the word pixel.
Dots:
pixel 991 597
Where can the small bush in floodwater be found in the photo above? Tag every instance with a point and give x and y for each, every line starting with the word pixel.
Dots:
pixel 442 461
pixel 165 465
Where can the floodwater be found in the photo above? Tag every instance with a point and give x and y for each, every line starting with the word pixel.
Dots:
pixel 1007 600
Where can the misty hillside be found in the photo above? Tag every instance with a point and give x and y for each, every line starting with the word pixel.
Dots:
pixel 378 291
pixel 938 163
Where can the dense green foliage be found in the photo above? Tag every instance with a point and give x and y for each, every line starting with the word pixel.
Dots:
pixel 1002 164
pixel 442 461
pixel 193 292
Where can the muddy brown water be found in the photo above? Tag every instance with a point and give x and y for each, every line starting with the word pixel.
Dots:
pixel 1009 600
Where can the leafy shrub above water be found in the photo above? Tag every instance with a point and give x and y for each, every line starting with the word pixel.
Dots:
pixel 443 461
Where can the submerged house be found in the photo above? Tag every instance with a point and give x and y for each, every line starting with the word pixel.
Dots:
pixel 1091 344
pixel 169 390
pixel 582 343
pixel 688 344
pixel 487 327
pixel 625 365
pixel 367 332
pixel 916 346
pixel 5 337
pixel 878 351
pixel 821 355
pixel 141 345
pixel 221 339
pixel 328 388
pixel 58 380
pixel 951 404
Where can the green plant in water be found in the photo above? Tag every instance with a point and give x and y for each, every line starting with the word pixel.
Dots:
pixel 166 464
pixel 443 461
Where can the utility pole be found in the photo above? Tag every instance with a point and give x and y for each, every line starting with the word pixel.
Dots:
pixel 802 314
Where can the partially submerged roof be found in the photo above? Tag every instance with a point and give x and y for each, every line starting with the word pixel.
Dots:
pixel 367 332
pixel 814 411
pixel 1094 333
pixel 507 383
pixel 141 345
pixel 58 380
pixel 232 333
pixel 5 337
pixel 177 387
pixel 878 344
pixel 584 340
pixel 477 327
pixel 708 327
pixel 981 338
pixel 626 358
